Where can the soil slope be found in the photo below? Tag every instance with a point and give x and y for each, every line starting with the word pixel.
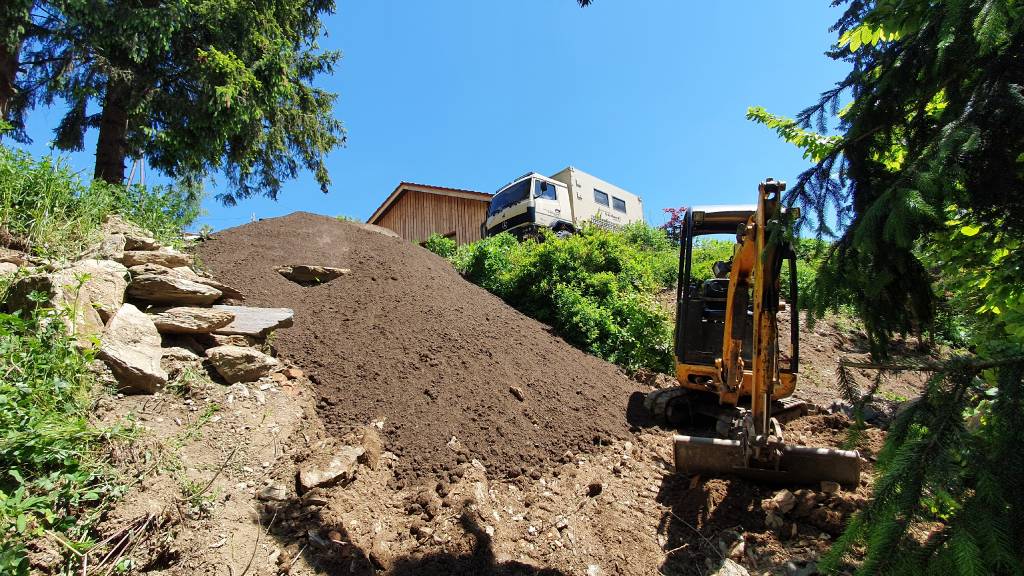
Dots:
pixel 404 339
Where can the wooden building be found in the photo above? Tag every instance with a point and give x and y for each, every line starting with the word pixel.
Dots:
pixel 415 211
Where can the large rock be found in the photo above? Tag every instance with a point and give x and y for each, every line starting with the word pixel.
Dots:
pixel 171 290
pixel 131 347
pixel 332 463
pixel 63 296
pixel 185 273
pixel 310 274
pixel 167 258
pixel 136 242
pixel 106 284
pixel 190 320
pixel 256 322
pixel 240 364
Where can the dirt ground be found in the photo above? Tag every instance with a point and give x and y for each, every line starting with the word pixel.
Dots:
pixel 506 450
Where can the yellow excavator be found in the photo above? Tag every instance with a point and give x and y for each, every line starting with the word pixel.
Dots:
pixel 729 361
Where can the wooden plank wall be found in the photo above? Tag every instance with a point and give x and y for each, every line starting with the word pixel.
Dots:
pixel 417 215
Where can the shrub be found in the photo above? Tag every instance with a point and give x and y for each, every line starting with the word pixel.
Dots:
pixel 443 247
pixel 596 287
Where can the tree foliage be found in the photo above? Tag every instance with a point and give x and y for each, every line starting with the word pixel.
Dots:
pixel 925 182
pixel 936 120
pixel 195 87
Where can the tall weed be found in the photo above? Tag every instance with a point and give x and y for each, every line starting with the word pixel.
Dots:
pixel 47 206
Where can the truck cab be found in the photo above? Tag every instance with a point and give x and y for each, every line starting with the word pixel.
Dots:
pixel 527 204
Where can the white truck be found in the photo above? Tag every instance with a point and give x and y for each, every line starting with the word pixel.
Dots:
pixel 561 203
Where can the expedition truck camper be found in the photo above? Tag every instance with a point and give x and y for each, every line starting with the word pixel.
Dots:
pixel 561 203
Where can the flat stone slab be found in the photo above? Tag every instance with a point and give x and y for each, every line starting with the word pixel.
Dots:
pixel 304 274
pixel 191 320
pixel 257 322
pixel 168 259
pixel 171 290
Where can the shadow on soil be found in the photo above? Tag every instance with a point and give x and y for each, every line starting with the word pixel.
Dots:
pixel 472 554
pixel 701 513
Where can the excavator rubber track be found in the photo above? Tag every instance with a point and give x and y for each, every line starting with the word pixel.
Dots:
pixel 677 405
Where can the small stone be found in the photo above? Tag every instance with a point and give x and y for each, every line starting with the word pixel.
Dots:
pixel 274 492
pixel 278 377
pixel 829 487
pixel 730 568
pixel 292 373
pixel 518 393
pixel 315 497
pixel 333 464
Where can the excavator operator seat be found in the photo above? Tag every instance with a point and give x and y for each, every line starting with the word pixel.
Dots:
pixel 715 294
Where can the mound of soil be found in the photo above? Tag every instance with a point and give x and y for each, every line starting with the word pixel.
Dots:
pixel 405 339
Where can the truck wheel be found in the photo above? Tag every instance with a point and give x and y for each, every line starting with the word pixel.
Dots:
pixel 563 234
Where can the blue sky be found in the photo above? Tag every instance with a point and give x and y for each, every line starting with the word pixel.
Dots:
pixel 647 95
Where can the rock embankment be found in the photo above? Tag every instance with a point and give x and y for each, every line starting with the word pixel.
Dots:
pixel 149 313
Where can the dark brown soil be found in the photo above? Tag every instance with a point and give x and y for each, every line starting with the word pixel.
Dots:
pixel 405 339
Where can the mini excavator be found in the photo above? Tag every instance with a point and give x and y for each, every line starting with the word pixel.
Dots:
pixel 729 362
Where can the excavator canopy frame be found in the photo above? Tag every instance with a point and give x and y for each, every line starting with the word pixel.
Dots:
pixel 710 220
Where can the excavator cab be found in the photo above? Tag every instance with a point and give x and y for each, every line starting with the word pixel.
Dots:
pixel 730 362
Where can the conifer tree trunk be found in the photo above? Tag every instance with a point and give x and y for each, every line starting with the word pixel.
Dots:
pixel 8 70
pixel 112 145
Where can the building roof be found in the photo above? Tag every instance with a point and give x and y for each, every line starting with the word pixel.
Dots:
pixel 410 187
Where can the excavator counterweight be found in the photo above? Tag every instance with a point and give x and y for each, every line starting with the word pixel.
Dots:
pixel 727 349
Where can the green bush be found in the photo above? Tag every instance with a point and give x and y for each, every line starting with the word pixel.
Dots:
pixel 707 251
pixel 444 247
pixel 597 287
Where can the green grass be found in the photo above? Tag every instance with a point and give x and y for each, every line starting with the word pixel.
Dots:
pixel 49 208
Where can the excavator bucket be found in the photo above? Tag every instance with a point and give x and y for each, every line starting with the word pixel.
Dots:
pixel 799 465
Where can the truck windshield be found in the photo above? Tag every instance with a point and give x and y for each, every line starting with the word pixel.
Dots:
pixel 515 193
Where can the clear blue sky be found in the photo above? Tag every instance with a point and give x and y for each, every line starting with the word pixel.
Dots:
pixel 647 95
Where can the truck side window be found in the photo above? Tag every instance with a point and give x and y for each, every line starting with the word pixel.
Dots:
pixel 600 197
pixel 618 205
pixel 544 190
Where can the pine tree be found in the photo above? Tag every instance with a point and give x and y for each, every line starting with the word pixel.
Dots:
pixel 195 87
pixel 936 121
pixel 926 179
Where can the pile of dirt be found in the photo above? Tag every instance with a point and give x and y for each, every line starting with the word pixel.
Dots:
pixel 453 372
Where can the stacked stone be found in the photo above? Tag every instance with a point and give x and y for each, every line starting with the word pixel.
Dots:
pixel 136 299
